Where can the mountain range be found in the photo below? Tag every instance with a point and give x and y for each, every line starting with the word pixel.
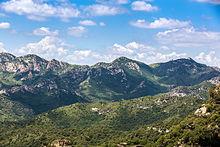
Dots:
pixel 43 85
pixel 105 104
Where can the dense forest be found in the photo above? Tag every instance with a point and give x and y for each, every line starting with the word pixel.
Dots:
pixel 148 121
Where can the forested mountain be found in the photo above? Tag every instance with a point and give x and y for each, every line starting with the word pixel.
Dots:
pixel 43 85
pixel 122 103
pixel 160 120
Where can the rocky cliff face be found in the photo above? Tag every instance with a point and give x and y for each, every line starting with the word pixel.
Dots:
pixel 28 63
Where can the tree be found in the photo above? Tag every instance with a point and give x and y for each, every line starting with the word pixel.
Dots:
pixel 214 93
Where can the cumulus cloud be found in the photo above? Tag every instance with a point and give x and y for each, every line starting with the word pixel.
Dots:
pixel 4 25
pixel 39 10
pixel 209 1
pixel 45 31
pixel 161 23
pixel 144 53
pixel 48 47
pixel 190 38
pixel 77 31
pixel 102 10
pixel 82 57
pixel 2 47
pixel 134 50
pixel 209 58
pixel 130 48
pixel 122 49
pixel 143 6
pixel 82 54
pixel 87 23
pixel 52 47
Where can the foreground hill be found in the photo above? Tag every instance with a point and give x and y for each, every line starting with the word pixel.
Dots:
pixel 139 121
pixel 42 85
pixel 199 129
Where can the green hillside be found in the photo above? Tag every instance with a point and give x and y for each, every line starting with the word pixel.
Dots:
pixel 130 121
pixel 12 110
pixel 122 103
pixel 199 129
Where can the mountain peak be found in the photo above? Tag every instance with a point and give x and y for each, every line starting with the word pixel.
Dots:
pixel 55 64
pixel 32 58
pixel 183 60
pixel 122 60
pixel 5 57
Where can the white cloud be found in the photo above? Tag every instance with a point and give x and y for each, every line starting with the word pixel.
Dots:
pixel 163 57
pixel 144 53
pixel 39 10
pixel 210 58
pixel 190 38
pixel 49 47
pixel 120 2
pixel 122 49
pixel 134 50
pixel 161 23
pixel 4 25
pixel 45 31
pixel 102 24
pixel 52 47
pixel 130 48
pixel 82 54
pixel 87 23
pixel 102 10
pixel 209 1
pixel 135 45
pixel 77 31
pixel 79 55
pixel 143 6
pixel 83 57
pixel 2 48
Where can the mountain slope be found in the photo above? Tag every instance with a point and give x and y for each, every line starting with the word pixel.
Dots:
pixel 137 121
pixel 123 78
pixel 12 110
pixel 45 85
pixel 199 129
pixel 183 72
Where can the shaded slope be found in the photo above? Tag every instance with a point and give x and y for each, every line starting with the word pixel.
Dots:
pixel 12 110
pixel 183 72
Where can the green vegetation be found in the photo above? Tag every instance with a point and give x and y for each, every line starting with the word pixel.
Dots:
pixel 215 94
pixel 13 111
pixel 8 80
pixel 108 104
pixel 197 129
pixel 138 121
pixel 43 85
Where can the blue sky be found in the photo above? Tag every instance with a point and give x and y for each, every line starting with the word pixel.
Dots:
pixel 89 31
